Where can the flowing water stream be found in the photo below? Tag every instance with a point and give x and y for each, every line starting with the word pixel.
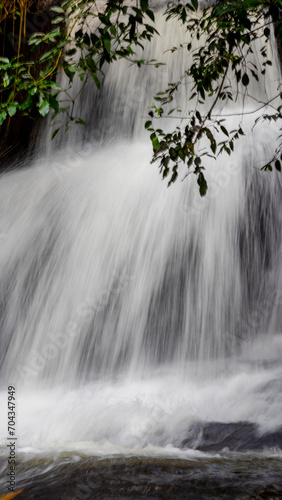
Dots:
pixel 138 322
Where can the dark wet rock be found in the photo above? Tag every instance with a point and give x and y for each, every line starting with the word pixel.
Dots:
pixel 238 477
pixel 267 493
pixel 236 436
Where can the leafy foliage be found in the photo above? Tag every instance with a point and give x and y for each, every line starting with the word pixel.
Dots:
pixel 73 46
pixel 86 35
pixel 221 40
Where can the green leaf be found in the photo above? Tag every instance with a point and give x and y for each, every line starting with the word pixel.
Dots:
pixel 278 165
pixel 202 93
pixel 53 102
pixel 195 4
pixel 79 121
pixel 26 76
pixel 12 109
pixel 55 133
pixel 27 103
pixel 57 9
pixel 33 90
pixel 165 161
pixel 198 115
pixel 173 153
pixel 107 45
pixel 44 107
pixel 151 15
pixel 213 146
pixel 3 117
pixel 58 20
pixel 190 161
pixel 54 85
pixel 224 130
pixel 148 124
pixel 165 172
pixel 245 80
pixel 36 38
pixel 144 4
pixel 267 167
pixel 4 60
pixel 203 187
pixel 6 80
pixel 96 80
pixel 47 54
pixel 69 71
pixel 181 154
pixel 155 142
pixel 173 178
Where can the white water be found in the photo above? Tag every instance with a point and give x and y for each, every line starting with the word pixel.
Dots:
pixel 130 311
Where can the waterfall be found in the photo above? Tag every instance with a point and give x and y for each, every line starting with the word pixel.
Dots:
pixel 129 311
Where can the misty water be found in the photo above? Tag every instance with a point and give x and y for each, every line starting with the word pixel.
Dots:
pixel 140 325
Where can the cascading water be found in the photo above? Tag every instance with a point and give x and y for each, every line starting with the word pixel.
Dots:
pixel 136 319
